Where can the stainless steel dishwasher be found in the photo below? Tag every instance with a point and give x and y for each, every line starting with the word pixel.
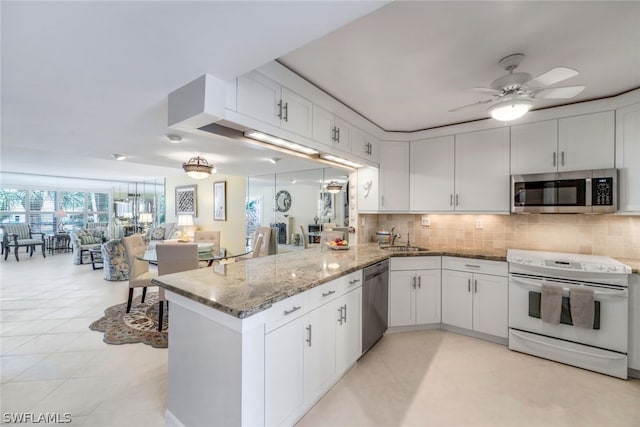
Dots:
pixel 375 303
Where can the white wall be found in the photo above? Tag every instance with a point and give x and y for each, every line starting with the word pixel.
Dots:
pixel 233 230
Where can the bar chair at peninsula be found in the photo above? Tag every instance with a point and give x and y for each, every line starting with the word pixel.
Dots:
pixel 173 258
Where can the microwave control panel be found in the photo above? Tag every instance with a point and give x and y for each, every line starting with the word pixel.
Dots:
pixel 602 191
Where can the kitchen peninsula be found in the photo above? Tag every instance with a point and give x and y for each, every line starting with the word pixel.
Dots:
pixel 260 341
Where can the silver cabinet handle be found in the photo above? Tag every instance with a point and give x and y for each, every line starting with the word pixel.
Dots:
pixel 382 200
pixel 456 200
pixel 354 281
pixel 562 158
pixel 472 266
pixel 468 285
pixel 280 109
pixel 475 285
pixel 333 134
pixel 340 319
pixel 420 282
pixel 338 135
pixel 554 158
pixel 414 282
pixel 308 340
pixel 450 199
pixel 326 294
pixel 295 308
pixel 345 313
pixel 369 148
pixel 286 111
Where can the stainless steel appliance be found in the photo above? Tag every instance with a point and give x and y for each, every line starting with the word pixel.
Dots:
pixel 600 348
pixel 375 303
pixel 590 191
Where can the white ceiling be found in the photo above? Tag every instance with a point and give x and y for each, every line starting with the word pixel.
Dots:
pixel 82 80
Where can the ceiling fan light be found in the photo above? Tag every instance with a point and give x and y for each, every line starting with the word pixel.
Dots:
pixel 198 168
pixel 508 110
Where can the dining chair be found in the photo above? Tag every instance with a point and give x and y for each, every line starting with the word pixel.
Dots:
pixel 139 274
pixel 173 258
pixel 257 247
pixel 264 249
pixel 305 239
pixel 208 236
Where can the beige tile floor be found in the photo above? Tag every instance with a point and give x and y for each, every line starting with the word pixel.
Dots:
pixel 51 362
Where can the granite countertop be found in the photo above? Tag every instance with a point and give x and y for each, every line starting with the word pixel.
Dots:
pixel 248 287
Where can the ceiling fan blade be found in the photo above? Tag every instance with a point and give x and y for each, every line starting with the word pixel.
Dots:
pixel 559 92
pixel 486 101
pixel 553 76
pixel 485 90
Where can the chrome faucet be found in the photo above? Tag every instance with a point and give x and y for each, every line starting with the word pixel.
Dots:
pixel 393 236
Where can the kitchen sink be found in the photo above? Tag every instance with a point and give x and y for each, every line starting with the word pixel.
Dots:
pixel 403 248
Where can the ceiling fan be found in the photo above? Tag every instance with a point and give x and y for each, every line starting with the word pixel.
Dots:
pixel 515 92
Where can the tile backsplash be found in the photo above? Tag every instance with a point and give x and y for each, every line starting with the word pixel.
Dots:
pixel 612 235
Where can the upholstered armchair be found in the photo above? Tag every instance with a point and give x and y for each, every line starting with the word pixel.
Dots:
pixel 115 262
pixel 82 240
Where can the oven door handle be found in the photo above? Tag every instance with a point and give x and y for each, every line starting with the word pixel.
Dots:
pixel 536 285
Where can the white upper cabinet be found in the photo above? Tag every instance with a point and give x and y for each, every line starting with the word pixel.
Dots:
pixel 534 147
pixel 394 176
pixel 263 99
pixel 567 144
pixel 364 146
pixel 482 171
pixel 628 158
pixel 432 174
pixel 331 130
pixel 368 191
pixel 465 173
pixel 586 142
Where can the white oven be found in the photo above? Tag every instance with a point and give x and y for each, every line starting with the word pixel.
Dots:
pixel 602 347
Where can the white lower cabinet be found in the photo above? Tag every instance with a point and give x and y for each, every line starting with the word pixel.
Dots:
pixel 305 356
pixel 284 369
pixel 634 322
pixel 414 291
pixel 475 301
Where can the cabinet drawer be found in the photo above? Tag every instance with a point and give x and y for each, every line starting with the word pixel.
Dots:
pixel 286 310
pixel 415 263
pixel 325 293
pixel 350 282
pixel 496 268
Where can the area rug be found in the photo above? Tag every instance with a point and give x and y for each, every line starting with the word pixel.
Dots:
pixel 139 325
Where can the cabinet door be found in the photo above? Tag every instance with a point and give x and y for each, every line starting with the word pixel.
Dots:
pixel 586 142
pixel 284 368
pixel 349 330
pixel 319 351
pixel 322 126
pixel 343 135
pixel 367 189
pixel 427 297
pixel 394 176
pixel 402 298
pixel 490 304
pixel 627 155
pixel 457 299
pixel 534 147
pixel 482 171
pixel 296 113
pixel 432 174
pixel 258 97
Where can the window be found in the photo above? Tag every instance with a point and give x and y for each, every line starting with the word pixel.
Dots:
pixel 13 203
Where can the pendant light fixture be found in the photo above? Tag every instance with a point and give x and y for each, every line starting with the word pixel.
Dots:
pixel 510 109
pixel 334 187
pixel 198 168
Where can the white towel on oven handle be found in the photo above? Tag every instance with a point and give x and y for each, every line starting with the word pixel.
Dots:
pixel 551 303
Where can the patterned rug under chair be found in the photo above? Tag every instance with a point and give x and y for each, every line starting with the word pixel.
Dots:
pixel 139 325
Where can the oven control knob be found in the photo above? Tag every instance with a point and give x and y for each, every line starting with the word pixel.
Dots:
pixel 600 267
pixel 518 259
pixel 613 268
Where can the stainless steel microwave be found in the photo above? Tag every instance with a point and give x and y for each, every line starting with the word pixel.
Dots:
pixel 590 191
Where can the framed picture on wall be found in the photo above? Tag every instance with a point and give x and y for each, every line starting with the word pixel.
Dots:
pixel 187 200
pixel 220 201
